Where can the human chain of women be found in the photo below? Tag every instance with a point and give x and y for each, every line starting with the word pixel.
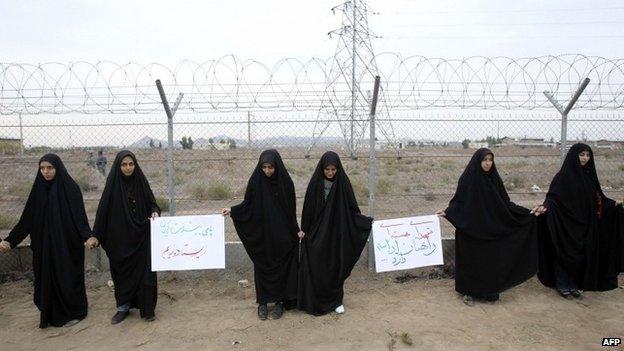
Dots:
pixel 573 240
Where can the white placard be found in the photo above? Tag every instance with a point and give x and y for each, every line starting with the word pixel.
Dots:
pixel 405 243
pixel 188 242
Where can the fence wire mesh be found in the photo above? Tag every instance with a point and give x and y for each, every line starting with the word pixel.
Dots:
pixel 418 177
pixel 219 134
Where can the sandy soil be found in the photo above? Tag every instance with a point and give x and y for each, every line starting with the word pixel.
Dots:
pixel 209 311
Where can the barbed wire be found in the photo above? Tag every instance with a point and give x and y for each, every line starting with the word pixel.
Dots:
pixel 231 84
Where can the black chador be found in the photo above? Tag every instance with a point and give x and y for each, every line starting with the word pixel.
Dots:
pixel 581 236
pixel 335 235
pixel 122 225
pixel 495 239
pixel 266 223
pixel 56 221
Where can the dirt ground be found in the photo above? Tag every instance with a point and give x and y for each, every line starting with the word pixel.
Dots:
pixel 210 311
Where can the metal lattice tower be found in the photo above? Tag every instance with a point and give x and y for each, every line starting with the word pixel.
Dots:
pixel 353 66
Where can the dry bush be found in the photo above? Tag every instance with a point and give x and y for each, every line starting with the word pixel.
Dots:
pixel 199 191
pixel 219 191
pixel 8 221
pixel 87 180
pixel 430 196
pixel 163 203
pixel 385 186
pixel 514 182
pixel 20 188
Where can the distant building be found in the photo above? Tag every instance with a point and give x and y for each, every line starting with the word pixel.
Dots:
pixel 538 142
pixel 507 141
pixel 420 143
pixel 477 144
pixel 601 144
pixel 618 145
pixel 203 144
pixel 607 144
pixel 428 143
pixel 534 142
pixel 454 144
pixel 527 142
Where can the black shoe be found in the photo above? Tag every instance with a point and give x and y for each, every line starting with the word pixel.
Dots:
pixel 566 294
pixel 278 311
pixel 119 316
pixel 149 319
pixel 263 312
pixel 577 294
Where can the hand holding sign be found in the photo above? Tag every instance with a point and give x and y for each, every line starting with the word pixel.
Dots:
pixel 405 243
pixel 188 242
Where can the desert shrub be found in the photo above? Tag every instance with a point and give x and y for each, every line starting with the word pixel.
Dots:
pixel 87 180
pixel 163 203
pixel 199 191
pixel 360 189
pixel 8 221
pixel 20 188
pixel 430 197
pixel 385 186
pixel 447 164
pixel 219 191
pixel 514 182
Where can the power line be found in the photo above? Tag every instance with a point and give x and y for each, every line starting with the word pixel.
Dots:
pixel 437 37
pixel 443 25
pixel 553 10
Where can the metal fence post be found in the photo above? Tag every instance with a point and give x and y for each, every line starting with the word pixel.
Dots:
pixel 170 167
pixel 564 115
pixel 21 135
pixel 372 177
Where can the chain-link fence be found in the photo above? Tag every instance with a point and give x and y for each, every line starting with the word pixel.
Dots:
pixel 417 172
pixel 432 114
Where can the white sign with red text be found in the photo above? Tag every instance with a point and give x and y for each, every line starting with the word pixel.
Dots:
pixel 188 242
pixel 405 243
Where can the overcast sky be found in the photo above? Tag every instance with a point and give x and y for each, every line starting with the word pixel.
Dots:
pixel 161 31
pixel 166 32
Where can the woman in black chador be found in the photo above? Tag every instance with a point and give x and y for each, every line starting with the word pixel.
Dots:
pixel 495 239
pixel 122 224
pixel 581 240
pixel 335 235
pixel 266 223
pixel 56 221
